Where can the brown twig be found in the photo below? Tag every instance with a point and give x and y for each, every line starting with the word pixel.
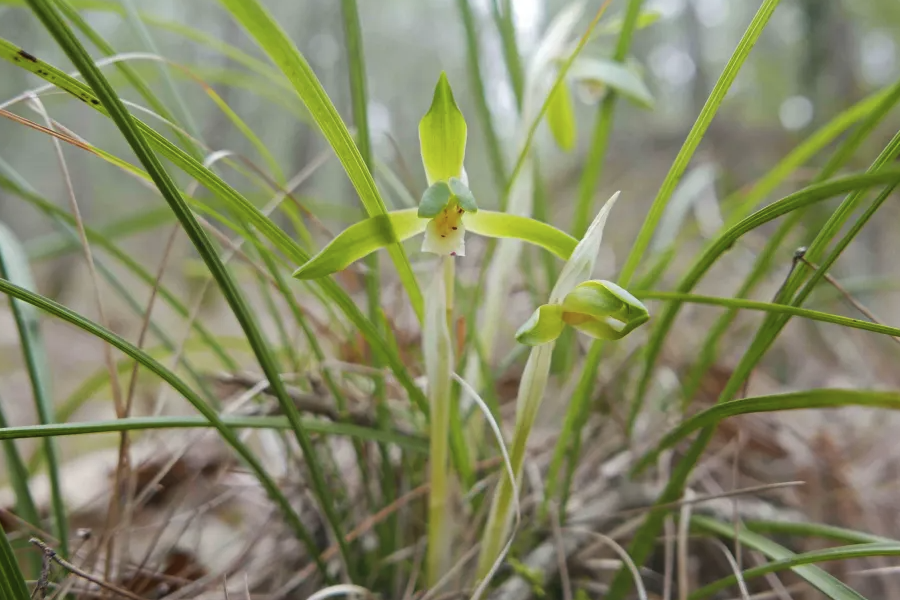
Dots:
pixel 847 295
pixel 50 555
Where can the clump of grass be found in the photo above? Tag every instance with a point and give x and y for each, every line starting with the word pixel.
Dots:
pixel 418 501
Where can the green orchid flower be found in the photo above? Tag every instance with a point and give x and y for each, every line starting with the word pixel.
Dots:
pixel 600 309
pixel 447 210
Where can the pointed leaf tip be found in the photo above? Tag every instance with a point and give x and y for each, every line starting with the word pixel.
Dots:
pixel 442 135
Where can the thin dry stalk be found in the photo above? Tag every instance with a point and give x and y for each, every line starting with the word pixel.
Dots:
pixel 684 525
pixel 735 567
pixel 54 557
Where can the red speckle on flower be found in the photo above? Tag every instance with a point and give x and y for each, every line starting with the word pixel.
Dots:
pixel 453 254
pixel 455 228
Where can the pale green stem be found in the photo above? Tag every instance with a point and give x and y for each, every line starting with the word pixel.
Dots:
pixel 438 350
pixel 531 392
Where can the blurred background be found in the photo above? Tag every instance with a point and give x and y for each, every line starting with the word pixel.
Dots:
pixel 815 59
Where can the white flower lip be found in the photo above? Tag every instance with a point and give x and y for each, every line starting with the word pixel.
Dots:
pixel 443 240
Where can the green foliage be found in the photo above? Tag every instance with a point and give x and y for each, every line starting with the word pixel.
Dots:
pixel 420 431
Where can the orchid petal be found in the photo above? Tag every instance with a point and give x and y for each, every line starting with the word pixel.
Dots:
pixel 361 239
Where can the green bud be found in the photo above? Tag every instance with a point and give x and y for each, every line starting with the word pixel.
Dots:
pixel 603 310
pixel 434 200
pixel 544 325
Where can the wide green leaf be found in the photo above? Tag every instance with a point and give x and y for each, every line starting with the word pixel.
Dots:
pixel 600 73
pixel 822 581
pixel 494 224
pixel 272 38
pixel 360 240
pixel 442 135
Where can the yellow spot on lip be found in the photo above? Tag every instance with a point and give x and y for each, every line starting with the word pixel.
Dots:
pixel 448 220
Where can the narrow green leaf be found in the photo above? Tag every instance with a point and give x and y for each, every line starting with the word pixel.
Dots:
pixel 360 240
pixel 806 529
pixel 770 307
pixel 824 398
pixel 126 260
pixel 14 267
pixel 463 195
pixel 17 474
pixel 569 441
pixel 12 582
pixel 822 581
pixel 807 558
pixel 602 129
pixel 561 117
pixel 502 225
pixel 318 426
pixel 107 96
pixel 544 325
pixel 600 72
pixel 272 38
pixel 638 250
pixel 234 200
pixel 434 200
pixel 154 366
pixel 442 135
pixel 473 56
pixel 645 18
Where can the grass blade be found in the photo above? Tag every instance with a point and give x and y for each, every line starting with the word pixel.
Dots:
pixel 182 388
pixel 818 578
pixel 473 54
pixel 769 307
pixel 227 194
pixel 272 38
pixel 824 398
pixel 602 129
pixel 17 473
pixel 401 440
pixel 12 583
pixel 123 119
pixel 807 558
pixel 828 532
pixel 14 267
pixel 642 242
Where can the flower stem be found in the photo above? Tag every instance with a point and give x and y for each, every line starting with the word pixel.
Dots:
pixel 531 392
pixel 438 350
